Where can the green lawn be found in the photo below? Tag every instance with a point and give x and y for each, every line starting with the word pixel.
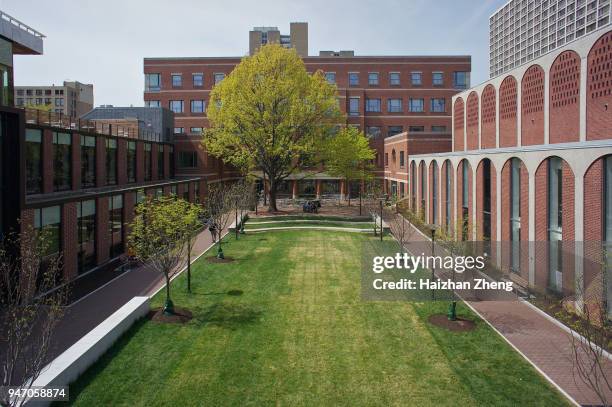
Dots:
pixel 300 335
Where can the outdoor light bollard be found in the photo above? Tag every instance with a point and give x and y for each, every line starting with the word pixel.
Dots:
pixel 452 310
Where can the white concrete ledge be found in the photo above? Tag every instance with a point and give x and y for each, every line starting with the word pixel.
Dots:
pixel 330 228
pixel 68 366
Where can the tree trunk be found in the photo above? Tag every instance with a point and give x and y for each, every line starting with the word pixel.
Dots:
pixel 272 207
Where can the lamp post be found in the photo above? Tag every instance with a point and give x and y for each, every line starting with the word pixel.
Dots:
pixel 381 219
pixel 189 265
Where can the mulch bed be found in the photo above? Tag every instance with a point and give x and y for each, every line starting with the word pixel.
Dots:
pixel 459 325
pixel 180 316
pixel 215 259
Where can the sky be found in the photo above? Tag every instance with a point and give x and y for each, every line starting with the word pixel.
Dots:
pixel 104 41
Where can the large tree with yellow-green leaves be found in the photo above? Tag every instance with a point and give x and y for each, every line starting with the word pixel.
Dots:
pixel 271 115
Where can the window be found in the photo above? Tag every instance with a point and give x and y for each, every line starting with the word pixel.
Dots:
pixel 386 159
pixel 197 106
pixel 353 79
pixel 486 201
pixel 140 196
pixel 177 80
pixel 438 105
pixel 196 192
pixel 434 193
pixel 373 78
pixel 330 77
pixel 152 82
pixel 179 130
pixel 148 161
pixel 86 230
pixel 416 78
pixel 160 162
pixel 33 161
pixel 465 213
pixel 115 225
pixel 176 106
pixel 186 192
pixel 515 214
pixel 447 195
pixel 173 190
pixel 461 80
pixel 187 159
pixel 394 78
pixel 131 161
pixel 153 103
pixel 393 130
pixel 198 80
pixel 438 129
pixel 402 161
pixel 59 102
pixel 394 105
pixel 88 161
pixel 373 105
pixel 111 161
pixel 219 77
pixel 62 161
pixel 195 130
pixel 416 105
pixel 49 220
pixel 171 160
pixel 354 106
pixel 437 79
pixel 373 132
pixel 423 190
pixel 413 129
pixel 413 181
pixel 555 223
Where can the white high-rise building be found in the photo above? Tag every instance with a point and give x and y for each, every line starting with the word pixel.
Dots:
pixel 522 30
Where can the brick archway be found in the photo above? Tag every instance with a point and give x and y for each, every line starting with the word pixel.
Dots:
pixel 532 106
pixel 564 98
pixel 599 89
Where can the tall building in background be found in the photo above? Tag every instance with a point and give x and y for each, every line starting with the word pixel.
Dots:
pixel 523 30
pixel 73 98
pixel 297 38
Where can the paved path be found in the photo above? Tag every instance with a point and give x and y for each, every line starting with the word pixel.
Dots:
pixel 85 314
pixel 543 342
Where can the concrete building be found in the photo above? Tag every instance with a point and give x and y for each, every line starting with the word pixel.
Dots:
pixel 522 30
pixel 297 38
pixel 381 95
pixel 72 98
pixel 530 169
pixel 145 122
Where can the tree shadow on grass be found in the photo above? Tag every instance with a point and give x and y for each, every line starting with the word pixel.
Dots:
pixel 227 315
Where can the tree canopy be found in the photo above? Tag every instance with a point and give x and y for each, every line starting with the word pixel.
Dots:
pixel 270 114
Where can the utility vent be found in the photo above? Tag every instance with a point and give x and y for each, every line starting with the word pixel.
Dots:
pixel 337 53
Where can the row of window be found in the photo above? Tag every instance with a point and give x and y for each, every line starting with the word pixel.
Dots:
pixel 376 131
pixel 402 161
pixel 39 101
pixel 395 105
pixel 62 161
pixel 460 79
pixel 39 92
pixel 153 80
pixel 49 219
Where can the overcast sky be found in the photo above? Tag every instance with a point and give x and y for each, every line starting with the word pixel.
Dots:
pixel 104 42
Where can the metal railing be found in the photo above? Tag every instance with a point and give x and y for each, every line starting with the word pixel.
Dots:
pixel 21 25
pixel 60 120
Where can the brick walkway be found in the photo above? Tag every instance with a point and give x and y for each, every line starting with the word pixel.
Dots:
pixel 85 314
pixel 544 343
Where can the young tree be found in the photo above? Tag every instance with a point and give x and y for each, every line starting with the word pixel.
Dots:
pixel 269 114
pixel 219 204
pixel 348 155
pixel 159 233
pixel 31 306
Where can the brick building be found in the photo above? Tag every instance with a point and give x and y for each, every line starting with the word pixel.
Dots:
pixel 78 179
pixel 530 168
pixel 382 95
pixel 72 98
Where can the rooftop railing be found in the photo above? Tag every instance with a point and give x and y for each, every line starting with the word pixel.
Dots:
pixel 60 120
pixel 21 25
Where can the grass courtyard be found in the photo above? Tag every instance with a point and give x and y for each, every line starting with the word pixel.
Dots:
pixel 284 324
